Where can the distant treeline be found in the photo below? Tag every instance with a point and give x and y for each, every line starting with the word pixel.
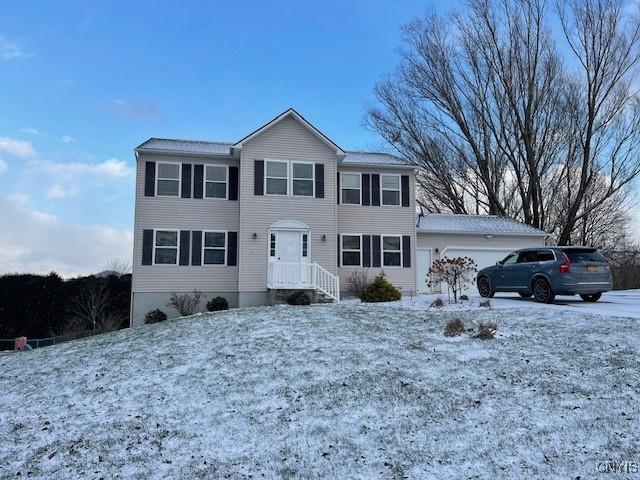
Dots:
pixel 38 306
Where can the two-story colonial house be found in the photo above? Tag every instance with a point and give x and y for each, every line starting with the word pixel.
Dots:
pixel 284 208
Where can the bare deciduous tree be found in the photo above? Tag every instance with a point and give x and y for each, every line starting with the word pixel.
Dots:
pixel 121 267
pixel 89 306
pixel 497 122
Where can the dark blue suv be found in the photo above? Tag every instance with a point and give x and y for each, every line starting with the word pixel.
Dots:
pixel 547 272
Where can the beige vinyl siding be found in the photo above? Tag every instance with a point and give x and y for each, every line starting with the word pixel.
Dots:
pixel 381 220
pixel 286 140
pixel 182 214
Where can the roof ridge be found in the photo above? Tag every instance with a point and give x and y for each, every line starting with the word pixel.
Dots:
pixel 218 142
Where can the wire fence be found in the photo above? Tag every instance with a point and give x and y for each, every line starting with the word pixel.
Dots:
pixel 9 343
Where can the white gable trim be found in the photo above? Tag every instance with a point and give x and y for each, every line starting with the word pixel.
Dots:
pixel 292 113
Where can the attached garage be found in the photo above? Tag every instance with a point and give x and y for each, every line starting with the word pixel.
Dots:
pixel 484 238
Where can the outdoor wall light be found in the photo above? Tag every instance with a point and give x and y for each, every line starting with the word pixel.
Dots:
pixel 437 250
pixel 255 235
pixel 324 237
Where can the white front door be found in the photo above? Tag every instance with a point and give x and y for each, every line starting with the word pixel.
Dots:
pixel 291 263
pixel 288 247
pixel 423 262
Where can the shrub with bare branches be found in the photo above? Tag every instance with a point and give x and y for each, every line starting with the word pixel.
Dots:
pixel 185 303
pixel 457 272
pixel 454 327
pixel 358 283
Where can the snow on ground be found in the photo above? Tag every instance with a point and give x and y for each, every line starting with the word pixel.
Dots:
pixel 337 391
pixel 621 303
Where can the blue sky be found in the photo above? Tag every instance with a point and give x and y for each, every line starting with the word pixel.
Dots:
pixel 82 83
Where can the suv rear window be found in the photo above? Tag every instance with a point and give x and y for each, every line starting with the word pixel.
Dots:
pixel 545 256
pixel 577 255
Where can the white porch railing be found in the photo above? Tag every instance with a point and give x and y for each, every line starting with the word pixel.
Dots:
pixel 303 276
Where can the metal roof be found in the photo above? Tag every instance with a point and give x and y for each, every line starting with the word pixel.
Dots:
pixel 474 224
pixel 196 147
pixel 373 158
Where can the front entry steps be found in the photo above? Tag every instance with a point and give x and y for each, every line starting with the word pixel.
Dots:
pixel 280 295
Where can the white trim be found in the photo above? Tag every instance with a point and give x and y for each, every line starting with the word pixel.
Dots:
pixel 382 265
pixel 171 179
pixel 415 262
pixel 342 249
pixel 226 249
pixel 359 175
pixel 289 225
pixel 204 181
pixel 281 227
pixel 494 249
pixel 266 177
pixel 177 247
pixel 312 179
pixel 287 113
pixel 399 190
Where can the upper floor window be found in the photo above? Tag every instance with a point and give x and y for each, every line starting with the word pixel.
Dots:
pixel 391 251
pixel 168 181
pixel 390 185
pixel 215 181
pixel 277 177
pixel 302 179
pixel 351 188
pixel 165 250
pixel 214 248
pixel 351 250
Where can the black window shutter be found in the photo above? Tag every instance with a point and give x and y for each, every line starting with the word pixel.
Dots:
pixel 150 179
pixel 366 189
pixel 198 180
pixel 232 248
pixel 404 186
pixel 366 250
pixel 339 248
pixel 185 240
pixel 147 247
pixel 258 177
pixel 196 247
pixel 406 251
pixel 233 183
pixel 186 180
pixel 319 180
pixel 375 190
pixel 338 188
pixel 375 251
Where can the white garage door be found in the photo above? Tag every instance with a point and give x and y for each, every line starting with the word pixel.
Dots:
pixel 483 258
pixel 423 259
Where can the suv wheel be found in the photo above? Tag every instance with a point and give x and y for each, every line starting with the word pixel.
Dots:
pixel 525 294
pixel 542 291
pixel 593 297
pixel 485 288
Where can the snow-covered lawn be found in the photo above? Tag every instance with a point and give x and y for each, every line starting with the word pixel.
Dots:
pixel 337 391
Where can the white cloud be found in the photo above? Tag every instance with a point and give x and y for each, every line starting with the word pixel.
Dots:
pixel 10 50
pixel 30 131
pixel 19 198
pixel 3 166
pixel 38 242
pixel 67 139
pixel 17 148
pixel 58 191
pixel 112 168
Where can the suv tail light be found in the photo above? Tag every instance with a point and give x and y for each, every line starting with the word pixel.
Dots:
pixel 566 263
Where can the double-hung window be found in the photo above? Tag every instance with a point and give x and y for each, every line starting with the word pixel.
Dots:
pixel 165 247
pixel 390 185
pixel 277 177
pixel 351 250
pixel 168 181
pixel 302 179
pixel 391 251
pixel 351 188
pixel 215 181
pixel 214 248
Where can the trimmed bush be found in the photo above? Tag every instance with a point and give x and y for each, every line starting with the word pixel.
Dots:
pixel 299 298
pixel 485 303
pixel 464 297
pixel 381 290
pixel 155 316
pixel 454 328
pixel 218 303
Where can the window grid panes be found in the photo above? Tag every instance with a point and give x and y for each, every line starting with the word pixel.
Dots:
pixel 166 247
pixel 302 179
pixel 214 248
pixel 272 245
pixel 305 245
pixel 391 251
pixel 215 181
pixel 390 185
pixel 168 181
pixel 351 249
pixel 277 177
pixel 351 188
